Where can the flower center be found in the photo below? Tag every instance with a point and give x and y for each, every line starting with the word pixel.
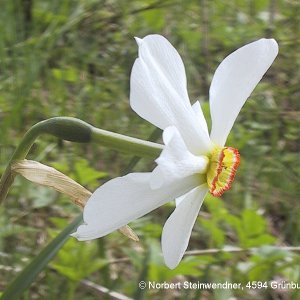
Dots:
pixel 221 170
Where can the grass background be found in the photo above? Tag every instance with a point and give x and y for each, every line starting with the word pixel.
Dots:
pixel 74 58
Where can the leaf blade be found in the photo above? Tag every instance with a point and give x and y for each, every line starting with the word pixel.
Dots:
pixel 30 272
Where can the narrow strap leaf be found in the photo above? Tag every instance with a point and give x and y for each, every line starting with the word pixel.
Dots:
pixel 29 273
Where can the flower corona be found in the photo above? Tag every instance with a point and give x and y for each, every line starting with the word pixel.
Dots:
pixel 222 169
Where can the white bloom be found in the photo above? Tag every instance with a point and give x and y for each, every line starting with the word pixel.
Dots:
pixel 193 161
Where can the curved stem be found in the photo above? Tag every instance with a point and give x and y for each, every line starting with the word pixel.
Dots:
pixel 75 130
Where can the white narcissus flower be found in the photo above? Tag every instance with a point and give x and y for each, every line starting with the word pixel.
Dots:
pixel 193 161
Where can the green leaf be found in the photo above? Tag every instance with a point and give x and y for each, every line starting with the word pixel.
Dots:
pixel 87 175
pixel 74 259
pixel 69 74
pixel 160 272
pixel 27 276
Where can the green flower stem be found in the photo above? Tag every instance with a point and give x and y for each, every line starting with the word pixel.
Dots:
pixel 126 144
pixel 75 130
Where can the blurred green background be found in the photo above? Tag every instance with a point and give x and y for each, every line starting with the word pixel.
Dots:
pixel 74 58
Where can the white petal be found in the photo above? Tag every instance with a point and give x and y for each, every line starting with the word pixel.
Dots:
pixel 138 40
pixel 158 92
pixel 199 114
pixel 125 199
pixel 179 200
pixel 177 230
pixel 175 161
pixel 233 82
